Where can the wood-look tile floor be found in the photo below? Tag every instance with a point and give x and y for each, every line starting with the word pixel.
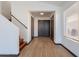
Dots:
pixel 44 47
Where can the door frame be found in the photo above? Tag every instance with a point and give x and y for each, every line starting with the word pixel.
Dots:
pixel 32 27
pixel 54 20
pixel 53 27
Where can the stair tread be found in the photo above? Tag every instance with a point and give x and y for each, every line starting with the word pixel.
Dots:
pixel 21 41
pixel 22 45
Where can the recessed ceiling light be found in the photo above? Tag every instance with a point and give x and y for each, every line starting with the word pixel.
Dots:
pixel 42 13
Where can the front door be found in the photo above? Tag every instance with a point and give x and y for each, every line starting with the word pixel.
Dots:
pixel 44 28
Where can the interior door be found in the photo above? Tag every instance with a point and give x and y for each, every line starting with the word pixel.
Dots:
pixel 32 27
pixel 52 27
pixel 44 28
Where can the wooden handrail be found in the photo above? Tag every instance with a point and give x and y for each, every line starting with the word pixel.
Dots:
pixel 19 21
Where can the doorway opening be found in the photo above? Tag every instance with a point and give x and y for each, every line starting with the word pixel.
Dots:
pixel 42 24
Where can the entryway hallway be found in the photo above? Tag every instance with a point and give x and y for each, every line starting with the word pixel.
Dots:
pixel 44 47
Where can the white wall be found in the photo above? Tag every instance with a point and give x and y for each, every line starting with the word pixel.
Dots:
pixel 9 37
pixel 71 44
pixel 35 27
pixel 21 9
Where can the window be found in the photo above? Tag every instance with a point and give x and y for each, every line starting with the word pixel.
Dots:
pixel 72 26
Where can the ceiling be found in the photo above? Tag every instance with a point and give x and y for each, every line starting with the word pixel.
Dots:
pixel 46 13
pixel 63 4
pixel 59 3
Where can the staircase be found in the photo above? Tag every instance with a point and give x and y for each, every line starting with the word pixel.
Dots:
pixel 11 41
pixel 22 44
pixel 21 26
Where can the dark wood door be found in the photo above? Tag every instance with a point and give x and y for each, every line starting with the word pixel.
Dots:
pixel 52 28
pixel 44 28
pixel 32 27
